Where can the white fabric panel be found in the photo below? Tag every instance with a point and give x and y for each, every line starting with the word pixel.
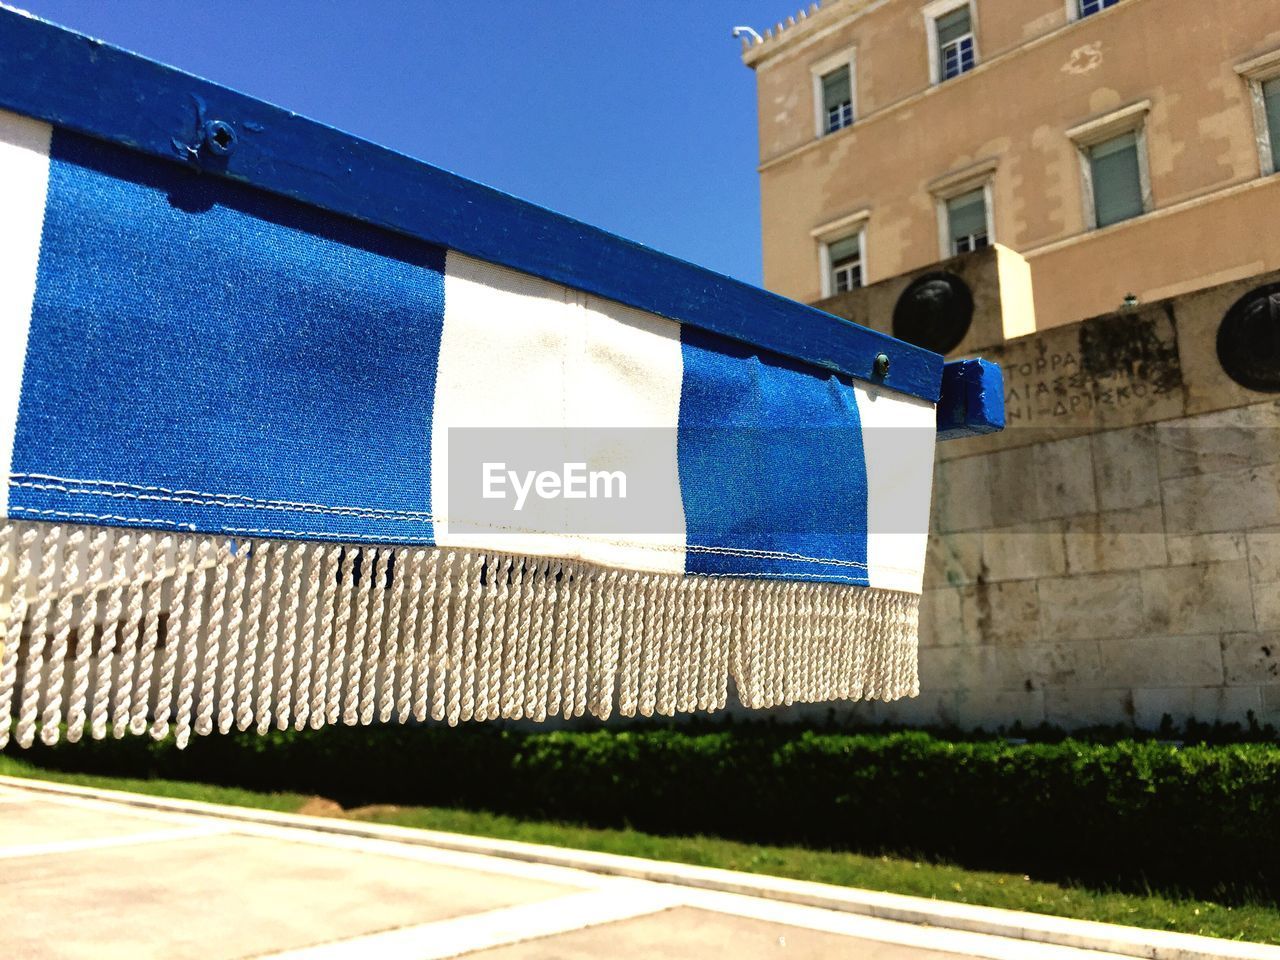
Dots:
pixel 24 183
pixel 630 376
pixel 502 355
pixel 898 437
pixel 518 351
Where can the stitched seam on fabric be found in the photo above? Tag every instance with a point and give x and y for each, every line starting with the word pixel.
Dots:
pixel 390 516
pixel 336 537
pixel 141 521
pixel 198 499
pixel 341 538
pixel 205 493
pixel 744 553
pixel 359 512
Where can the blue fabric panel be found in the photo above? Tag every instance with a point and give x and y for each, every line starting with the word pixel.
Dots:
pixel 771 465
pixel 193 334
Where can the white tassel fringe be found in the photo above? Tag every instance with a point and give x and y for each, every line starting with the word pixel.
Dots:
pixel 109 628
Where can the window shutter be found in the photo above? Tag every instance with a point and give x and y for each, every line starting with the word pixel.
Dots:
pixel 835 89
pixel 967 214
pixel 850 248
pixel 1271 97
pixel 1117 182
pixel 953 25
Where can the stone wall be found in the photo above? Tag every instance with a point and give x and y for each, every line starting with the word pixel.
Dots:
pixel 1114 555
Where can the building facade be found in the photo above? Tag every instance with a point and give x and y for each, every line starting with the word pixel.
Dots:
pixel 1085 192
pixel 1123 147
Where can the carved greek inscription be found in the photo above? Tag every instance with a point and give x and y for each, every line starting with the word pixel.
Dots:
pixel 1109 363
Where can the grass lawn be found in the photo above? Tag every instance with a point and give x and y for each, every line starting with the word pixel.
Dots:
pixel 1259 922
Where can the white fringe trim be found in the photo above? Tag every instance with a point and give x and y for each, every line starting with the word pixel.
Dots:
pixel 119 630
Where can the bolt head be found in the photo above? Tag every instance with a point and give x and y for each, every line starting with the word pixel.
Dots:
pixel 219 137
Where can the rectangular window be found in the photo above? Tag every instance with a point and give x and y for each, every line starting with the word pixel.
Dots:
pixel 967 222
pixel 845 257
pixel 1088 7
pixel 1115 169
pixel 837 100
pixel 956 54
pixel 1271 103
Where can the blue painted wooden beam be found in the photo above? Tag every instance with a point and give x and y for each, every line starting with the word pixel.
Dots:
pixel 972 401
pixel 64 78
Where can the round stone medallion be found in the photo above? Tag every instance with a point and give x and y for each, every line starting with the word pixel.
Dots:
pixel 1249 340
pixel 934 312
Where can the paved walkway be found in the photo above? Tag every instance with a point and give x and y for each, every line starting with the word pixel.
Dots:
pixel 92 878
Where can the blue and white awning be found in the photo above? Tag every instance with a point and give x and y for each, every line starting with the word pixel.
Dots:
pixel 247 424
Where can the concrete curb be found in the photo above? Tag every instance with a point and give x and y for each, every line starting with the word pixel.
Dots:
pixel 1011 924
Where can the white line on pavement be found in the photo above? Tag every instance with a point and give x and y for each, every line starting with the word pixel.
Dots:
pixel 494 928
pixel 117 808
pixel 313 833
pixel 885 931
pixel 457 859
pixel 99 843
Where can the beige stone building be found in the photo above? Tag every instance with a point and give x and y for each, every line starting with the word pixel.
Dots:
pixel 1121 146
pixel 1114 555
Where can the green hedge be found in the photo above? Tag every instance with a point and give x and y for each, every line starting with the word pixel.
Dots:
pixel 1204 819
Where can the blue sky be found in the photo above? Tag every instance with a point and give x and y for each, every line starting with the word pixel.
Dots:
pixel 636 116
